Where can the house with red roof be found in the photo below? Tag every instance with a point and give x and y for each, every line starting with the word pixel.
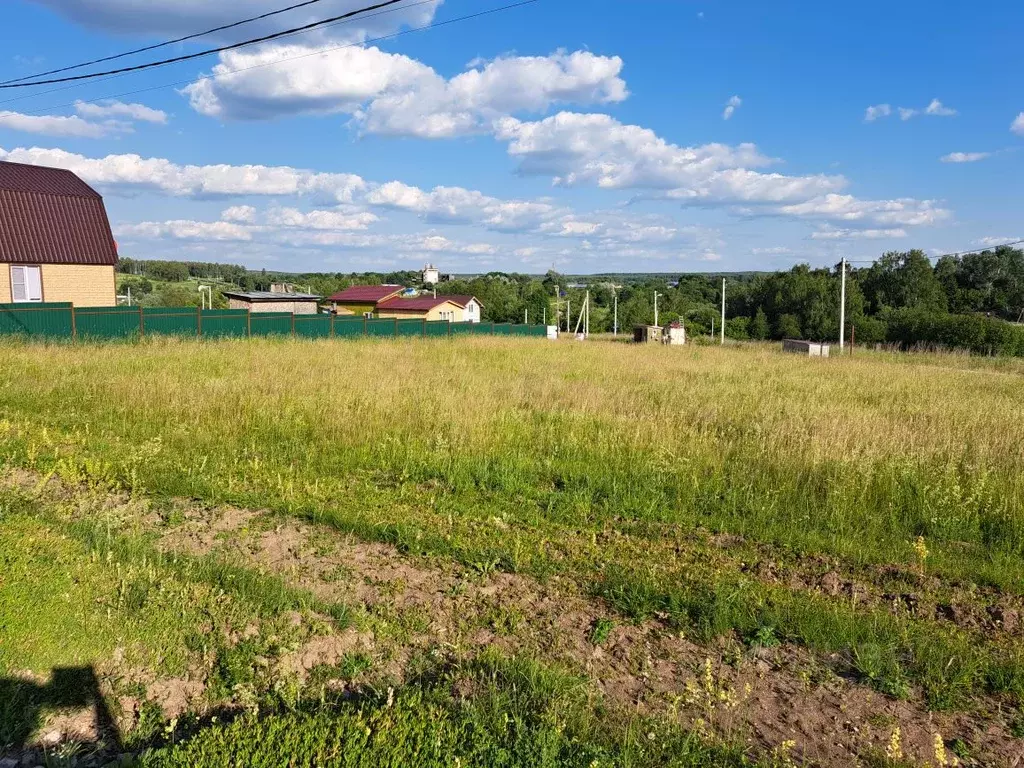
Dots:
pixel 362 299
pixel 55 239
pixel 421 308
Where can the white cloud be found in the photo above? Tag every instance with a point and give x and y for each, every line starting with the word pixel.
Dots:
pixel 992 242
pixel 326 220
pixel 935 108
pixel 133 173
pixel 171 18
pixel 118 109
pixel 458 205
pixel 875 112
pixel 393 94
pixel 1017 126
pixel 58 125
pixel 851 210
pixel 731 106
pixel 596 148
pixel 964 157
pixel 938 109
pixel 218 231
pixel 831 233
pixel 240 214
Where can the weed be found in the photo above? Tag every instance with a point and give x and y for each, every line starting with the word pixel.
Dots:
pixel 600 630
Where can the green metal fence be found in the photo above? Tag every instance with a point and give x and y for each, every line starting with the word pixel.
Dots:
pixel 65 321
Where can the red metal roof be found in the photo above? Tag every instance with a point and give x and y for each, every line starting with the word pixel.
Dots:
pixel 50 216
pixel 366 294
pixel 423 304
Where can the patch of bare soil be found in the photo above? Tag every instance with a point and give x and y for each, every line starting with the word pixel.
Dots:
pixel 761 696
pixel 765 697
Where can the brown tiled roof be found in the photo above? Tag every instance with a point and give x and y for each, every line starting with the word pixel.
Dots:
pixel 463 299
pixel 424 304
pixel 50 216
pixel 366 294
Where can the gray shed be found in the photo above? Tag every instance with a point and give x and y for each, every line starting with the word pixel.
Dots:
pixel 805 348
pixel 271 301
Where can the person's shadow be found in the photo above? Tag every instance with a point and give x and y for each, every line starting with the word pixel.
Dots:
pixel 24 705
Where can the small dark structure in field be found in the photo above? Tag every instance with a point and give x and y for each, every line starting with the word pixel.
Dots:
pixel 673 333
pixel 647 334
pixel 805 348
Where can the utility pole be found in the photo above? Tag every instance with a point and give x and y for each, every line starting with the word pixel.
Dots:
pixel 842 310
pixel 723 310
pixel 568 314
pixel 615 322
pixel 526 317
pixel 655 307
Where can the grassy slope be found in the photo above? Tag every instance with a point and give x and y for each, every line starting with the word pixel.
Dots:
pixel 582 459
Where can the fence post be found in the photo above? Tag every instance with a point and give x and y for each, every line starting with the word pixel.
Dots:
pixel 492 327
pixel 332 324
pixel 199 321
pixel 293 324
pixel 364 325
pixel 424 327
pixel 142 323
pixel 449 329
pixel 396 327
pixel 74 324
pixel 248 322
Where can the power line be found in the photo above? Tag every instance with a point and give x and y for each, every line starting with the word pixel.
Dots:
pixel 164 44
pixel 944 255
pixel 208 52
pixel 393 35
pixel 180 82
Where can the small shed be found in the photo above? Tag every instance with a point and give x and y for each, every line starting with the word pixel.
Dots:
pixel 647 334
pixel 674 333
pixel 271 301
pixel 805 348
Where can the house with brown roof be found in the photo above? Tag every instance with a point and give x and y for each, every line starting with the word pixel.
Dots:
pixel 55 239
pixel 450 308
pixel 362 299
pixel 472 309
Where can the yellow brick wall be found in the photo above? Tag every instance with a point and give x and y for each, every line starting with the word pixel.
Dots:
pixel 5 284
pixel 85 286
pixel 434 314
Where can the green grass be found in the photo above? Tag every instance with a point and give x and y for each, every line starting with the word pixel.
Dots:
pixel 589 461
pixel 519 715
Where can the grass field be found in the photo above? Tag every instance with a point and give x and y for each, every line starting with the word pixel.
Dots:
pixel 706 553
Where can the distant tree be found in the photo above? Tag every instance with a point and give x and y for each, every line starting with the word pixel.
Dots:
pixel 759 328
pixel 788 327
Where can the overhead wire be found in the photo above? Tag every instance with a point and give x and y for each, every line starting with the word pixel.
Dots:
pixel 164 44
pixel 219 75
pixel 72 86
pixel 207 52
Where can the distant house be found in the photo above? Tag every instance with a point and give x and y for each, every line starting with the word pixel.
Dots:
pixel 362 299
pixel 426 308
pixel 431 275
pixel 55 239
pixel 472 309
pixel 273 301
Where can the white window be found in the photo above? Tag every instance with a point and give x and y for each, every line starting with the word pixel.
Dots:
pixel 26 284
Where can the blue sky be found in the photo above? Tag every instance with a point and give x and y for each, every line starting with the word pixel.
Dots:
pixel 657 135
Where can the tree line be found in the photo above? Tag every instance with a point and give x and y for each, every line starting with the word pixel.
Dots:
pixel 974 301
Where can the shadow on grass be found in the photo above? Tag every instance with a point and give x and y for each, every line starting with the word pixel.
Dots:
pixel 25 704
